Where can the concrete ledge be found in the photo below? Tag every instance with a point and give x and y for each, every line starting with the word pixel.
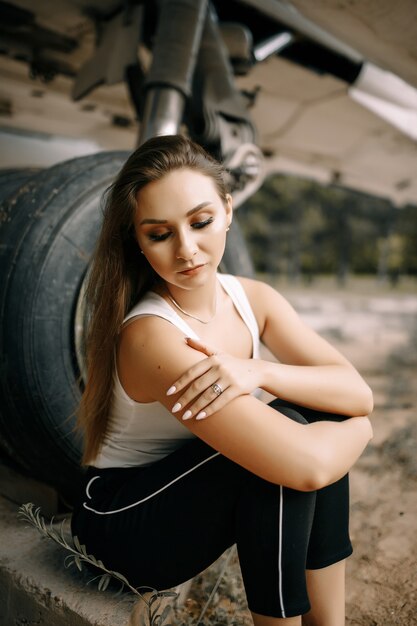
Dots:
pixel 36 588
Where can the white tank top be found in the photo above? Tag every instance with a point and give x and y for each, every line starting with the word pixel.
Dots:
pixel 142 433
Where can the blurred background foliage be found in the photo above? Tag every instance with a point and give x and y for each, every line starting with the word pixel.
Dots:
pixel 298 229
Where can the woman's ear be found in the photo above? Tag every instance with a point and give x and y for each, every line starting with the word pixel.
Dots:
pixel 229 209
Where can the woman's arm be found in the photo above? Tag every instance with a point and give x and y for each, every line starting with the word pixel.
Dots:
pixel 310 373
pixel 152 353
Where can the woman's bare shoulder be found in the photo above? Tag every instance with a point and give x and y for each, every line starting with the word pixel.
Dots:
pixel 151 353
pixel 263 298
pixel 255 288
pixel 147 336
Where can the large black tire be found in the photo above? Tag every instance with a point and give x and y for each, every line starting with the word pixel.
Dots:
pixel 11 179
pixel 48 232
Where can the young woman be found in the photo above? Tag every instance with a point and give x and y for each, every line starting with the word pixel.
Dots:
pixel 184 459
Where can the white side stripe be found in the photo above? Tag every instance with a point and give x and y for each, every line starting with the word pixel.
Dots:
pixel 281 504
pixel 129 506
pixel 87 489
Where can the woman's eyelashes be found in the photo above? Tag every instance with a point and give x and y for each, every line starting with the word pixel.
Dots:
pixel 202 224
pixel 156 237
pixel 195 225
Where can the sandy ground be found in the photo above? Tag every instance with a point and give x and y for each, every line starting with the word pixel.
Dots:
pixel 376 329
pixel 378 332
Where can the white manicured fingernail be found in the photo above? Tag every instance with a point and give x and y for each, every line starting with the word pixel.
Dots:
pixel 201 415
pixel 176 407
pixel 187 415
pixel 171 390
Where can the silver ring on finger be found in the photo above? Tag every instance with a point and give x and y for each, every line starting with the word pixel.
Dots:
pixel 217 389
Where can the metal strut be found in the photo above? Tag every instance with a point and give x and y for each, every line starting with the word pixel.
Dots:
pixel 169 81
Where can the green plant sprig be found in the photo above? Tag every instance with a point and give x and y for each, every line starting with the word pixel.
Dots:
pixel 29 513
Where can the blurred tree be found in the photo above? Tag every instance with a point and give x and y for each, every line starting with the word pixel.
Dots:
pixel 299 228
pixel 407 229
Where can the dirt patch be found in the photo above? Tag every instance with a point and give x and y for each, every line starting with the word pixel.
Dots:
pixel 378 332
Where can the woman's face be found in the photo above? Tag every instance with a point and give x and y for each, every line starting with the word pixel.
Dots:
pixel 180 225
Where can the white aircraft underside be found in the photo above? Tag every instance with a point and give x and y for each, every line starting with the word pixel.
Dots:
pixel 361 135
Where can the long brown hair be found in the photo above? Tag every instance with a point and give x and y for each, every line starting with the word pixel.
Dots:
pixel 119 275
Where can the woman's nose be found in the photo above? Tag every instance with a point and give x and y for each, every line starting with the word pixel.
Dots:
pixel 186 247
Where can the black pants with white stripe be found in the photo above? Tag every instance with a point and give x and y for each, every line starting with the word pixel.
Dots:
pixel 163 524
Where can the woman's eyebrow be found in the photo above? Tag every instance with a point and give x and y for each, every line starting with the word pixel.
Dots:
pixel 190 212
pixel 197 208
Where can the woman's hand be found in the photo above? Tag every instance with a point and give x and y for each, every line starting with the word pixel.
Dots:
pixel 213 382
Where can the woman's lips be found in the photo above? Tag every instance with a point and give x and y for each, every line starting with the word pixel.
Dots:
pixel 192 270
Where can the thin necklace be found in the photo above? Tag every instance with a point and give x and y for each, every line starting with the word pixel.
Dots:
pixel 194 317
